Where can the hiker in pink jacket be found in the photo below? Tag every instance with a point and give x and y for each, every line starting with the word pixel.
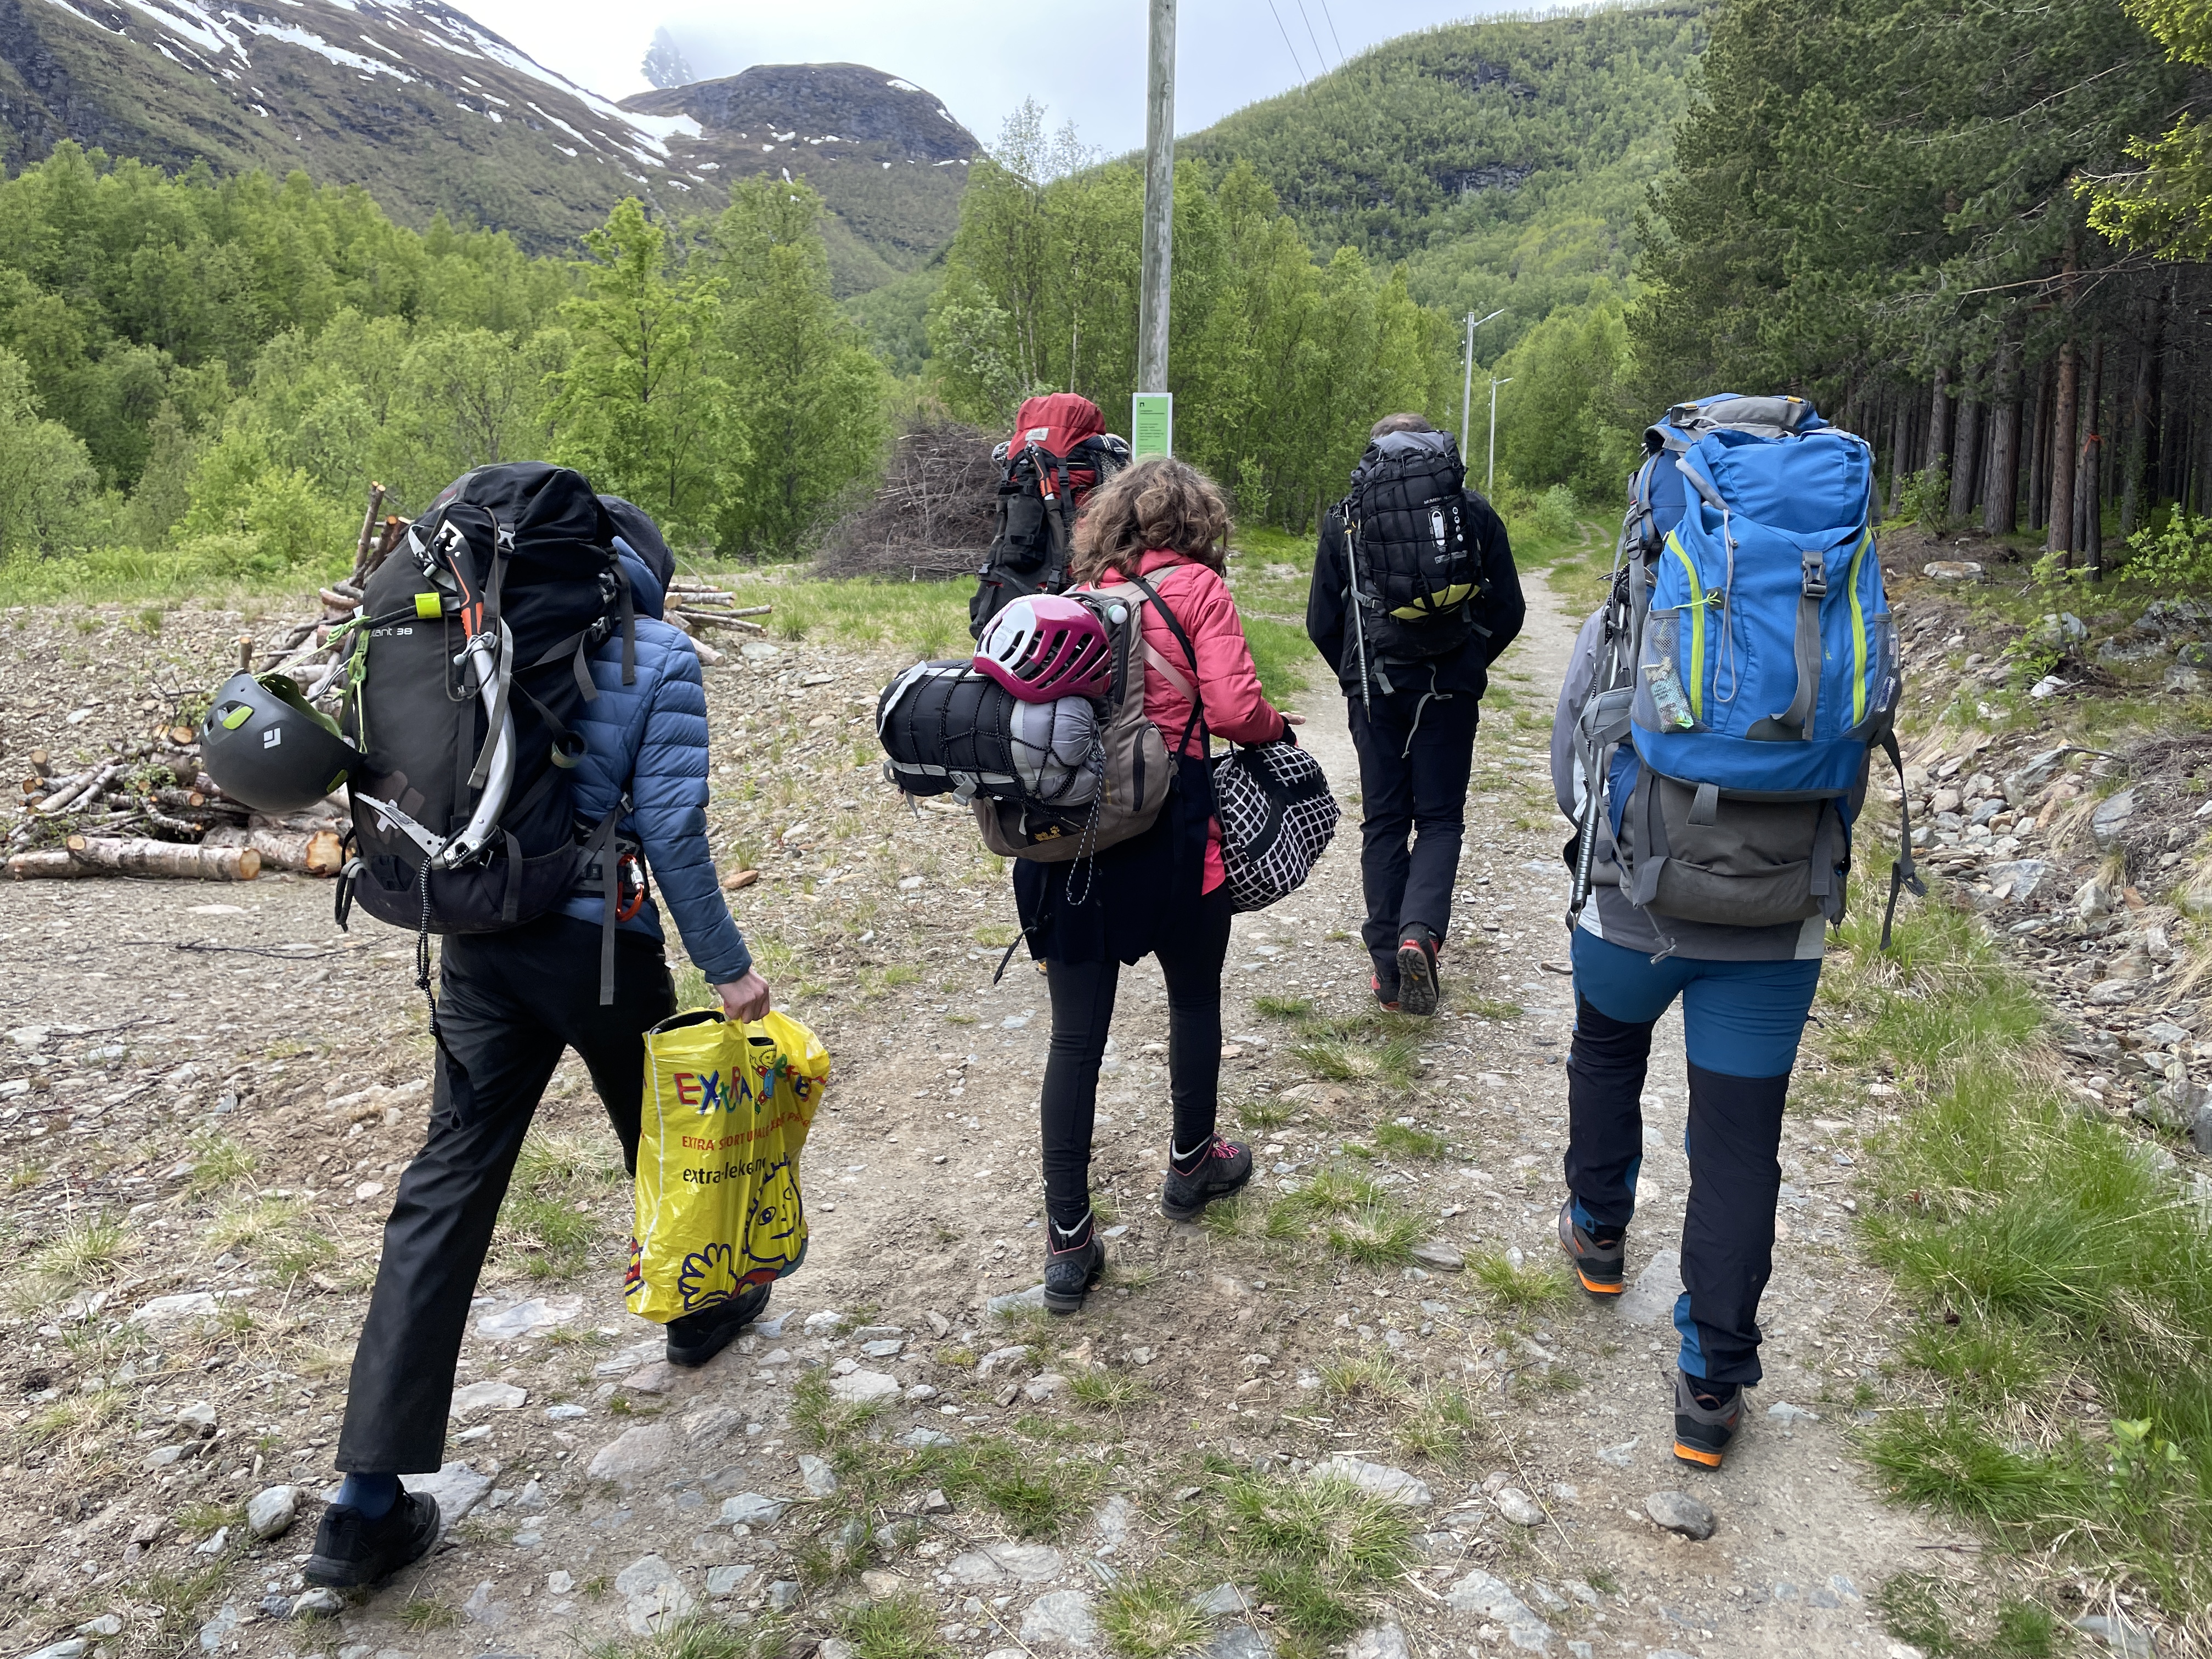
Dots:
pixel 1163 893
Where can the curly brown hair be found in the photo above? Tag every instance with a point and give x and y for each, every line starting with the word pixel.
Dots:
pixel 1160 502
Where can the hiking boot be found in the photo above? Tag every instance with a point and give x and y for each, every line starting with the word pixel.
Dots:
pixel 694 1339
pixel 1598 1265
pixel 1417 971
pixel 352 1551
pixel 1221 1168
pixel 1705 1418
pixel 1074 1263
pixel 1374 984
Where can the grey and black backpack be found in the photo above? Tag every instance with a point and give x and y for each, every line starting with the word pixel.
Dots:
pixel 466 667
pixel 1414 560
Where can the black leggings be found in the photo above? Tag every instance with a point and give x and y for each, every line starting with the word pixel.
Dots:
pixel 1081 1011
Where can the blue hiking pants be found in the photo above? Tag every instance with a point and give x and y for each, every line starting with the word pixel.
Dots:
pixel 1742 1020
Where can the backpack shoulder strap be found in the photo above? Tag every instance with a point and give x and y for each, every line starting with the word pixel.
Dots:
pixel 1197 721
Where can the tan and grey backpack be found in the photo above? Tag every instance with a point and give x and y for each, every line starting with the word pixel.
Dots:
pixel 1134 767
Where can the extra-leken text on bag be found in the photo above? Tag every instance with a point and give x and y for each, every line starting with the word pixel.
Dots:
pixel 1748 669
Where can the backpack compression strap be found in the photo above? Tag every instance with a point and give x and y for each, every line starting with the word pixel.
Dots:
pixel 600 845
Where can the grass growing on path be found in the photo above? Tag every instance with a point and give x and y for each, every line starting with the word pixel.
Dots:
pixel 2060 1269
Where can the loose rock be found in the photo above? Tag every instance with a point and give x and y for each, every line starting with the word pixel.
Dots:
pixel 1492 1598
pixel 270 1511
pixel 2108 823
pixel 636 1453
pixel 1395 1485
pixel 1518 1507
pixel 1062 1618
pixel 1238 1642
pixel 1436 1254
pixel 1677 1512
pixel 1377 1642
pixel 656 1597
pixel 820 1480
pixel 752 1509
pixel 1032 1564
pixel 860 1387
pixel 486 1397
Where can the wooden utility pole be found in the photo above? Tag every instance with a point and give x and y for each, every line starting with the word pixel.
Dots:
pixel 1159 200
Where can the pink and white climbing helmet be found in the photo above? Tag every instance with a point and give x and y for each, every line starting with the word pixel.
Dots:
pixel 1046 647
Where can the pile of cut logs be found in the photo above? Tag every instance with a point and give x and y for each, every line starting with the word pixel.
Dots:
pixel 146 809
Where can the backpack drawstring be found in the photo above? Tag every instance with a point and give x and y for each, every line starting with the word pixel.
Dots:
pixel 1427 697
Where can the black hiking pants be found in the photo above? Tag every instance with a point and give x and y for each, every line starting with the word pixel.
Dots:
pixel 1191 956
pixel 1415 752
pixel 508 1005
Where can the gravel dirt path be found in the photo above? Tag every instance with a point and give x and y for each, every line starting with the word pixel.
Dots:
pixel 209 1093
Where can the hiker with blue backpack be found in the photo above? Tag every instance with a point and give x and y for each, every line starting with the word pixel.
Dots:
pixel 1711 746
pixel 1414 595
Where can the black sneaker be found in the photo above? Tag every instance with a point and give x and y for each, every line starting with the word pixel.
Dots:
pixel 1705 1418
pixel 1222 1169
pixel 1072 1264
pixel 1417 971
pixel 694 1339
pixel 351 1551
pixel 1598 1265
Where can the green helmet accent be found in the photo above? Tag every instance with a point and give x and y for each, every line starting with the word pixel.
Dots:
pixel 265 745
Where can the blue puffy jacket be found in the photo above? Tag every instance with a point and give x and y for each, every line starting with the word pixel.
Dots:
pixel 648 741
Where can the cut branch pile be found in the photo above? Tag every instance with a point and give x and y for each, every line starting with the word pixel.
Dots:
pixel 146 809
pixel 932 520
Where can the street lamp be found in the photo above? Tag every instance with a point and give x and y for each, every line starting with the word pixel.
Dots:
pixel 1466 383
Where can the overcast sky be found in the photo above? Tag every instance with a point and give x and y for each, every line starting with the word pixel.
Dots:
pixel 1084 62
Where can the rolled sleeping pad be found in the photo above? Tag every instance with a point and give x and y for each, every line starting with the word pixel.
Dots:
pixel 947 729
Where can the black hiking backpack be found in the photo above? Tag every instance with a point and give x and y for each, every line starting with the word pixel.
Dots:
pixel 1415 563
pixel 469 661
pixel 1059 453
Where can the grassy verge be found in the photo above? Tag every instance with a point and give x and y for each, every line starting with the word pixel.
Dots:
pixel 2060 1270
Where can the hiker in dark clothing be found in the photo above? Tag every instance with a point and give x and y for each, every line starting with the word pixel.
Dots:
pixel 1414 687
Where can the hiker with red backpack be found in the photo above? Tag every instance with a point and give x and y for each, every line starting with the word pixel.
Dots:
pixel 1414 595
pixel 1060 450
pixel 1157 532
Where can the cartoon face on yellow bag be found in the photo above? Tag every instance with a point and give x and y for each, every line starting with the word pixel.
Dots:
pixel 775 1226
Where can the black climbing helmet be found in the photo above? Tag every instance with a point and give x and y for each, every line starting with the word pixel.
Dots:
pixel 265 745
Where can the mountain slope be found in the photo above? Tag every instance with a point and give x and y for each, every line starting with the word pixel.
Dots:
pixel 1486 155
pixel 432 113
pixel 887 157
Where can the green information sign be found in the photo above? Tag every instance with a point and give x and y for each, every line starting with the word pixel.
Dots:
pixel 1151 423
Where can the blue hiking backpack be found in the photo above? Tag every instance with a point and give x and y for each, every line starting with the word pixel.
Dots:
pixel 1747 672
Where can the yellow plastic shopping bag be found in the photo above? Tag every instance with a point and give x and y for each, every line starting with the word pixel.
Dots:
pixel 726 1110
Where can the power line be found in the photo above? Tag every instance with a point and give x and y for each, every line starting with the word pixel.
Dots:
pixel 1320 56
pixel 1331 21
pixel 1286 42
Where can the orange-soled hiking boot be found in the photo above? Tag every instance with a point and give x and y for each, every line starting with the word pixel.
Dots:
pixel 1599 1266
pixel 1705 1418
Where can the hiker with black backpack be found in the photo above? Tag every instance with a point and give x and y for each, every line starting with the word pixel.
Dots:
pixel 1414 595
pixel 1711 747
pixel 1157 534
pixel 595 722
